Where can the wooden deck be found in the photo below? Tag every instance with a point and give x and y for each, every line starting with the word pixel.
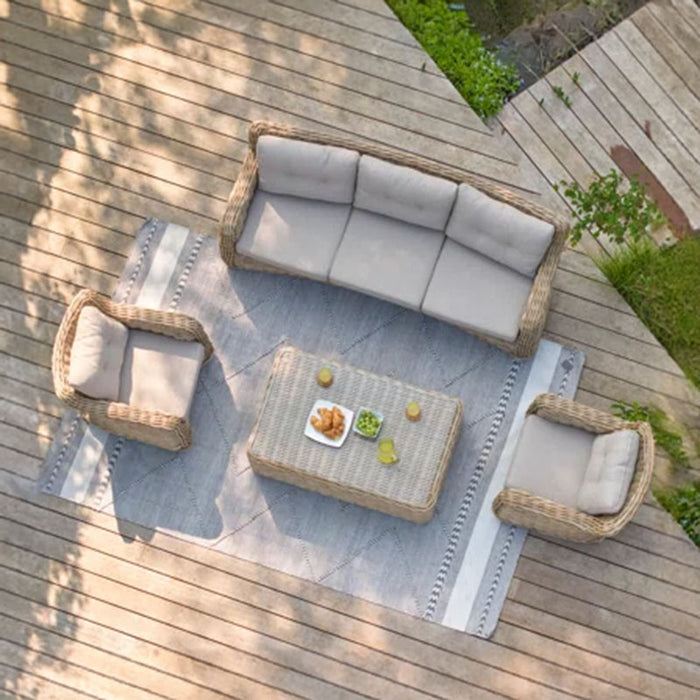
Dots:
pixel 115 111
pixel 637 88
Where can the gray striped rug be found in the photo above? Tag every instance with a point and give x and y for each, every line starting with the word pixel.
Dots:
pixel 454 570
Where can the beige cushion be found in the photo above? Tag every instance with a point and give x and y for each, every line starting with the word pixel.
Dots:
pixel 499 231
pixel 609 472
pixel 476 293
pixel 299 235
pixel 303 169
pixel 97 354
pixel 160 373
pixel 550 460
pixel 404 193
pixel 387 258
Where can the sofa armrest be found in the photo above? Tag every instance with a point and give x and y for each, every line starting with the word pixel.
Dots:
pixel 233 220
pixel 534 316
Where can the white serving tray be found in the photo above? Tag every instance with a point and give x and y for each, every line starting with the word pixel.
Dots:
pixel 312 433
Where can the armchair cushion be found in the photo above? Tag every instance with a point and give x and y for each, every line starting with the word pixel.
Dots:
pixel 404 193
pixel 387 258
pixel 501 232
pixel 293 233
pixel 550 460
pixel 303 169
pixel 97 354
pixel 609 472
pixel 476 293
pixel 160 373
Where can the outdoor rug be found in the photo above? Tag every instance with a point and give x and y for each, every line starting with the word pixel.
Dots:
pixel 454 570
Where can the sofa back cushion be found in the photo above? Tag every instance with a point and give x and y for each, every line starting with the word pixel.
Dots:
pixel 303 169
pixel 97 354
pixel 404 193
pixel 609 472
pixel 499 231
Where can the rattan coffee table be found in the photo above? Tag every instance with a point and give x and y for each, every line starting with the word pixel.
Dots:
pixel 409 489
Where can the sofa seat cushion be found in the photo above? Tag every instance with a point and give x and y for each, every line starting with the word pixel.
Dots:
pixel 499 231
pixel 472 291
pixel 303 169
pixel 300 235
pixel 97 354
pixel 609 472
pixel 404 193
pixel 387 258
pixel 160 373
pixel 550 460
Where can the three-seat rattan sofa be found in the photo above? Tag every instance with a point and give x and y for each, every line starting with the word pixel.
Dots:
pixel 389 224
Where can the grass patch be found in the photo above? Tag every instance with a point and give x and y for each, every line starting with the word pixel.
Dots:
pixel 663 288
pixel 664 436
pixel 448 36
pixel 684 506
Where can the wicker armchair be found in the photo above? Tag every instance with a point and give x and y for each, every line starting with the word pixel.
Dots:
pixel 231 227
pixel 155 427
pixel 550 518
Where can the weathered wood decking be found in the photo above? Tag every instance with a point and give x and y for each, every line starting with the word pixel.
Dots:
pixel 112 112
pixel 637 89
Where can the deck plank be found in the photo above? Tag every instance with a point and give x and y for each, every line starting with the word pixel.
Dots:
pixel 665 43
pixel 664 75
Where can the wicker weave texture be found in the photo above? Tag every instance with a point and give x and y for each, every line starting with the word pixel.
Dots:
pixel 154 427
pixel 534 315
pixel 278 447
pixel 545 516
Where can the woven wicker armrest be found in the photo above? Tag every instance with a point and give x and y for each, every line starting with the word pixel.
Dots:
pixel 233 220
pixel 548 517
pixel 534 316
pixel 155 427
pixel 146 425
pixel 532 511
pixel 568 412
pixel 170 323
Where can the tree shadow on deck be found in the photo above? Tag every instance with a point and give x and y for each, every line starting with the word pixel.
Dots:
pixel 43 264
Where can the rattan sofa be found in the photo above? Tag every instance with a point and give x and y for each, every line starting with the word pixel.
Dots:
pixel 156 427
pixel 526 319
pixel 532 511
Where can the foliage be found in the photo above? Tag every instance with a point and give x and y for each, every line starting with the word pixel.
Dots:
pixel 662 287
pixel 558 90
pixel 576 78
pixel 666 438
pixel 684 506
pixel 605 208
pixel 482 79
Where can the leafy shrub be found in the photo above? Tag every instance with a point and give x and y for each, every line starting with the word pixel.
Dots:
pixel 663 289
pixel 604 208
pixel 670 441
pixel 482 79
pixel 684 506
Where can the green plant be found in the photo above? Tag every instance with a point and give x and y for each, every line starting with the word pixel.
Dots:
pixel 482 79
pixel 558 90
pixel 662 288
pixel 604 208
pixel 684 506
pixel 576 79
pixel 664 436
